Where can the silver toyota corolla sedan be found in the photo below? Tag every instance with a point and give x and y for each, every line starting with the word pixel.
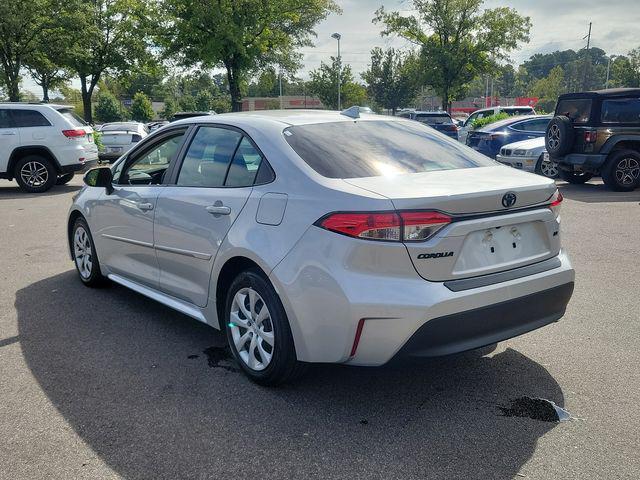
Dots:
pixel 326 237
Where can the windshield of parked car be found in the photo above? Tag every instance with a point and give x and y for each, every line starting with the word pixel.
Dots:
pixel 375 148
pixel 433 119
pixel 120 127
pixel 577 109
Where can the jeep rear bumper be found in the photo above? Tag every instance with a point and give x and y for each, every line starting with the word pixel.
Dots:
pixel 581 162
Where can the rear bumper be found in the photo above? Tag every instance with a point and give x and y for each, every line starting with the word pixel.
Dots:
pixel 77 167
pixel 487 325
pixel 582 162
pixel 329 283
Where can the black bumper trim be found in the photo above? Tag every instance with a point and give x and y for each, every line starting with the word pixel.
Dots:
pixel 493 278
pixel 487 325
pixel 586 161
pixel 76 167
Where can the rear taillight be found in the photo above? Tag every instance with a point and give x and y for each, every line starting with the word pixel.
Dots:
pixel 451 128
pixel 135 138
pixel 556 203
pixel 74 133
pixel 414 226
pixel 590 136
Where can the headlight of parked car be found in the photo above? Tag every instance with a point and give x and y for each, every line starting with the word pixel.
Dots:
pixel 520 153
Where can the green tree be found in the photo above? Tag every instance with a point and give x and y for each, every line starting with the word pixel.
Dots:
pixel 187 103
pixel 391 79
pixel 109 108
pixel 458 40
pixel 221 104
pixel 22 25
pixel 109 38
pixel 240 36
pixel 141 109
pixel 170 108
pixel 204 99
pixel 625 70
pixel 324 84
pixel 548 89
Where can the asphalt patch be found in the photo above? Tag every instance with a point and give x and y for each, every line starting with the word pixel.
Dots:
pixel 536 409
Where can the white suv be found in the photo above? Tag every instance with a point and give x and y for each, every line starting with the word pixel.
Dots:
pixel 43 144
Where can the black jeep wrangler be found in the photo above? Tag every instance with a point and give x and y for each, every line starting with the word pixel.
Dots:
pixel 597 133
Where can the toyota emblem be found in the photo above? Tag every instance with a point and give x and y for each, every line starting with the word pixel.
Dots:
pixel 509 200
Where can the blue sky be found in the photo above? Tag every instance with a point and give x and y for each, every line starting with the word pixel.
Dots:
pixel 557 25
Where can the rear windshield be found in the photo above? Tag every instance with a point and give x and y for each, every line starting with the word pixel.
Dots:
pixel 624 110
pixel 433 119
pixel 376 148
pixel 74 119
pixel 577 109
pixel 120 127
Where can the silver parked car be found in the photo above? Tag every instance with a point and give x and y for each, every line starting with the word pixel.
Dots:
pixel 119 137
pixel 325 237
pixel 529 155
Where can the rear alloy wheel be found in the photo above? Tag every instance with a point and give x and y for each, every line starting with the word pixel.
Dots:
pixel 258 331
pixel 35 174
pixel 622 171
pixel 546 167
pixel 64 179
pixel 84 255
pixel 575 178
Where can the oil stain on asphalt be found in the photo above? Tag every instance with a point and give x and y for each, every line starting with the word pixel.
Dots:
pixel 537 409
pixel 220 357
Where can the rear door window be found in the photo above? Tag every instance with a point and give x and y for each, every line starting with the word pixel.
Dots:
pixel 29 118
pixel 624 110
pixel 539 125
pixel 378 148
pixel 577 109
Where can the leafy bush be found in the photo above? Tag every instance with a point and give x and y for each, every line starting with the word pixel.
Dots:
pixel 97 138
pixel 482 122
pixel 108 108
pixel 141 110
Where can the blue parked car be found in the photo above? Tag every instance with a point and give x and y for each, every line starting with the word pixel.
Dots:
pixel 440 121
pixel 490 138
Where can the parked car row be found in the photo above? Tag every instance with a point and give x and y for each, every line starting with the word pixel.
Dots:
pixel 118 138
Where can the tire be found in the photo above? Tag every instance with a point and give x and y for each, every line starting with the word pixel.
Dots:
pixel 64 179
pixel 271 360
pixel 84 255
pixel 35 174
pixel 621 171
pixel 547 169
pixel 575 178
pixel 559 136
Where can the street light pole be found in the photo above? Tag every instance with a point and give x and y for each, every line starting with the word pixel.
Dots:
pixel 606 84
pixel 337 36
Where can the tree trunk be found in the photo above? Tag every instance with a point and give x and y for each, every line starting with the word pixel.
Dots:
pixel 445 100
pixel 45 91
pixel 13 87
pixel 87 93
pixel 234 89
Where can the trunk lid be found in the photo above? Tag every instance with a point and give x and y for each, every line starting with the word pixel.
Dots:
pixel 484 236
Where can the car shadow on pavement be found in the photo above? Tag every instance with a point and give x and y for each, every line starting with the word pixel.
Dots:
pixel 596 192
pixel 131 378
pixel 14 192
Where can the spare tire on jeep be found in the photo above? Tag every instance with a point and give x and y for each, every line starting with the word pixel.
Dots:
pixel 559 137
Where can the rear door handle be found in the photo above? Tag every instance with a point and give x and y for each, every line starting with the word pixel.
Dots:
pixel 218 210
pixel 145 206
pixel 8 133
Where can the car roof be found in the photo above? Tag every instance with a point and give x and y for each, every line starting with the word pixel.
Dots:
pixel 511 120
pixel 32 104
pixel 284 117
pixel 510 107
pixel 528 143
pixel 611 92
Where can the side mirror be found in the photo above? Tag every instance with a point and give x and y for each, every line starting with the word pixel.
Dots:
pixel 99 177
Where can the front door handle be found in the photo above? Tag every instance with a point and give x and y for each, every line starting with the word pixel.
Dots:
pixel 8 133
pixel 218 210
pixel 145 206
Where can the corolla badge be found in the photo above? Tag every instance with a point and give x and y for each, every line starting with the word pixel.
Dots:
pixel 509 199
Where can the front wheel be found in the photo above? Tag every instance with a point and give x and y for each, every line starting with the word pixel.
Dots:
pixel 622 171
pixel 575 178
pixel 258 331
pixel 84 255
pixel 64 179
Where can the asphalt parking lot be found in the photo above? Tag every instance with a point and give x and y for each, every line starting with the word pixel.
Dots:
pixel 108 384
